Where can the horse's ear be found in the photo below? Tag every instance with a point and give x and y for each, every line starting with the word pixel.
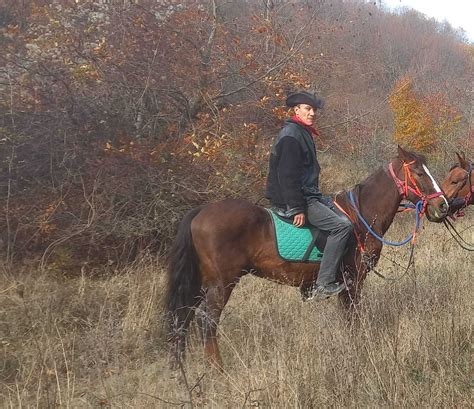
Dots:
pixel 462 160
pixel 404 155
pixel 401 151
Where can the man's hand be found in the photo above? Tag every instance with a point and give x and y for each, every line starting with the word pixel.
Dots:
pixel 299 220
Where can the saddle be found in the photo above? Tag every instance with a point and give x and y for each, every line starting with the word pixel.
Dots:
pixel 297 244
pixel 301 244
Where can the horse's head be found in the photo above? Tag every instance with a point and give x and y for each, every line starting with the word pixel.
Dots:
pixel 415 183
pixel 459 181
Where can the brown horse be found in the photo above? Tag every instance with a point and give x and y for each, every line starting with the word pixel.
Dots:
pixel 220 242
pixel 459 185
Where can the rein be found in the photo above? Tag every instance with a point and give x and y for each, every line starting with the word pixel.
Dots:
pixel 419 207
pixel 410 262
pixel 411 238
pixel 403 188
pixel 457 237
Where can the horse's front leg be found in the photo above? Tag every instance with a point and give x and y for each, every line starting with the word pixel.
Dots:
pixel 350 298
pixel 354 276
pixel 349 301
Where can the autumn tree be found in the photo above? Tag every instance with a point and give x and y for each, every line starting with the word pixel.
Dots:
pixel 421 122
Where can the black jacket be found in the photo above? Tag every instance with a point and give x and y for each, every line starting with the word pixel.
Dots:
pixel 293 176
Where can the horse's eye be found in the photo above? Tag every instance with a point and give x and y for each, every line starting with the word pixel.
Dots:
pixel 420 174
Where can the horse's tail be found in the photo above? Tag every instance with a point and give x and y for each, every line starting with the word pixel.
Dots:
pixel 184 279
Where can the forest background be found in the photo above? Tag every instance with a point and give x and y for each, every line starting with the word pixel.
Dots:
pixel 117 117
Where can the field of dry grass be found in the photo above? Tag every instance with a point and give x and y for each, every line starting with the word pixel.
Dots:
pixel 99 341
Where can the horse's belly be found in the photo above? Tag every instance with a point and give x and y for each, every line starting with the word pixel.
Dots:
pixel 288 273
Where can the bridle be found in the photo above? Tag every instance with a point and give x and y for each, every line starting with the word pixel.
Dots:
pixel 466 200
pixel 404 188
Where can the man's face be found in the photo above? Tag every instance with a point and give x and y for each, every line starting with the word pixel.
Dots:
pixel 306 113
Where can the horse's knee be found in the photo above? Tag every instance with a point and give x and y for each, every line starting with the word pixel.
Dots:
pixel 207 322
pixel 211 349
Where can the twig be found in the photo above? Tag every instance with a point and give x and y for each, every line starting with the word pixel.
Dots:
pixel 185 380
pixel 295 47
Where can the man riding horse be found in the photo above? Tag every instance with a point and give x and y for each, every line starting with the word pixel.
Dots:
pixel 293 188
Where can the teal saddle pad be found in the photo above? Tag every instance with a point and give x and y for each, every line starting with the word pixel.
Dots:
pixel 295 243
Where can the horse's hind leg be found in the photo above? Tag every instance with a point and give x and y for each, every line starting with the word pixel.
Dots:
pixel 178 335
pixel 214 300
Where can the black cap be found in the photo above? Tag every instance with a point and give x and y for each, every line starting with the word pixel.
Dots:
pixel 304 97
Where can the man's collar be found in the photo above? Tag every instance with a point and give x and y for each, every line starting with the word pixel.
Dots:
pixel 309 128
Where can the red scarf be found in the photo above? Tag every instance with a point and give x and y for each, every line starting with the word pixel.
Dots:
pixel 309 128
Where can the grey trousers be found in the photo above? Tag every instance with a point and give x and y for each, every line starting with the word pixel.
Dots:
pixel 339 229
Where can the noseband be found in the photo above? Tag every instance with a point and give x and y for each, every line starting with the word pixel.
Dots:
pixel 404 188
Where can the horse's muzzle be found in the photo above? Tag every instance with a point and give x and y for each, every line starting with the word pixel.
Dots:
pixel 437 209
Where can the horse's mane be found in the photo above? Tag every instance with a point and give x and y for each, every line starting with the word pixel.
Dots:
pixel 357 187
pixel 418 156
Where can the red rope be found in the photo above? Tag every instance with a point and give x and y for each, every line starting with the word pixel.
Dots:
pixel 359 242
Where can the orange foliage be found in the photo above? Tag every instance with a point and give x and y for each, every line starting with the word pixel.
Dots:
pixel 421 122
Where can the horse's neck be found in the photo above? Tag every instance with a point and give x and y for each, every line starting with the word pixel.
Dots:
pixel 378 200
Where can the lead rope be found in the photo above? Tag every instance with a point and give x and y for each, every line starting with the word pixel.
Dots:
pixel 419 207
pixel 403 188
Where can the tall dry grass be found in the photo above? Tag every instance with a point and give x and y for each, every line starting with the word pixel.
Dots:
pixel 99 341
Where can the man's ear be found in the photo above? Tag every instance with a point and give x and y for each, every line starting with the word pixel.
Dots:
pixel 462 160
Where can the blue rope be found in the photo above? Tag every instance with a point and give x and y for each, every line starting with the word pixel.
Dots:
pixel 407 205
pixel 418 207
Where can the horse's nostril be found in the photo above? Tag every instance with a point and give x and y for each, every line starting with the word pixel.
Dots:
pixel 443 207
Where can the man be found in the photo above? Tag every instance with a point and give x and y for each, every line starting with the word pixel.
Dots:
pixel 293 187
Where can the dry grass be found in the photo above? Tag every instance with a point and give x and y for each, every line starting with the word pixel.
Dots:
pixel 90 341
